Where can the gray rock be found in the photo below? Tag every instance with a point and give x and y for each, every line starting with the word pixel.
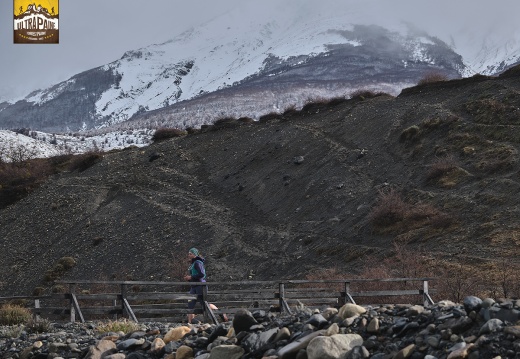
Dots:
pixel 373 326
pixel 125 345
pixel 472 303
pixel 243 321
pixel 103 347
pixel 298 160
pixel 318 321
pixel 136 355
pixel 359 352
pixel 301 343
pixel 488 302
pixel 433 341
pixel 255 341
pixel 227 352
pixel 506 315
pixel 491 326
pixel 332 347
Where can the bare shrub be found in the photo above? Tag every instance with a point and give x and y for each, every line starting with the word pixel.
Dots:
pixel 496 159
pixel 59 268
pixel 269 117
pixel 506 279
pixel 39 325
pixel 10 174
pixel 440 167
pixel 162 134
pixel 18 179
pixel 336 100
pixel 432 77
pixel 84 161
pixel 316 100
pixel 67 262
pixel 15 152
pixel 38 291
pixel 224 121
pixel 363 94
pixel 390 208
pixel 178 264
pixel 58 289
pixel 410 134
pixel 457 281
pixel 422 211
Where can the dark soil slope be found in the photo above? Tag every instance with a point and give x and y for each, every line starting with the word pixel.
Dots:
pixel 331 186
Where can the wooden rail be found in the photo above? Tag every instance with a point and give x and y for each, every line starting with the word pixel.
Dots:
pixel 158 301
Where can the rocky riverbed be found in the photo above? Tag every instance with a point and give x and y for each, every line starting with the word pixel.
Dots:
pixel 473 329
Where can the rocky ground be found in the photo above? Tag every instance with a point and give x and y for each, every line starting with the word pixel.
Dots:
pixel 475 329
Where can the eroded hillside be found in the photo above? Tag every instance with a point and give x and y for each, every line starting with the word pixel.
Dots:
pixel 333 186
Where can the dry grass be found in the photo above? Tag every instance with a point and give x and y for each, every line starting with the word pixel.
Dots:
pixel 410 134
pixel 59 268
pixel 123 325
pixel 432 77
pixel 11 314
pixel 440 167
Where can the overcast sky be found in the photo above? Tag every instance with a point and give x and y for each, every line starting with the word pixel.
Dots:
pixel 95 32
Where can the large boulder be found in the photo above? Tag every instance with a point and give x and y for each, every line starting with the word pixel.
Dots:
pixel 332 347
pixel 102 348
pixel 243 321
pixel 351 310
pixel 176 334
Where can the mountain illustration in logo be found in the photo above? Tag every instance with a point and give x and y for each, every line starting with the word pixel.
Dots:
pixel 36 23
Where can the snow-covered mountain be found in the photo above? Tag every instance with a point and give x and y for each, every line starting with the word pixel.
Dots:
pixel 244 68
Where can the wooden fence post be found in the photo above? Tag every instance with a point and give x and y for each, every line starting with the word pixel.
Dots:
pixel 208 312
pixel 71 300
pixel 74 305
pixel 123 296
pixel 427 300
pixel 126 306
pixel 204 301
pixel 348 296
pixel 284 307
pixel 36 307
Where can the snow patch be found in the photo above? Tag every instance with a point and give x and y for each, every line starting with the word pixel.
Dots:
pixel 41 97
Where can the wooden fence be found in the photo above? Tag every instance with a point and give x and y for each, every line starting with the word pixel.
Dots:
pixel 167 301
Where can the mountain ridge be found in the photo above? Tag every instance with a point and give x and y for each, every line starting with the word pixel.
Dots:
pixel 223 54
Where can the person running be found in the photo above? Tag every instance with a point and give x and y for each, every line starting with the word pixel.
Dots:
pixel 196 273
